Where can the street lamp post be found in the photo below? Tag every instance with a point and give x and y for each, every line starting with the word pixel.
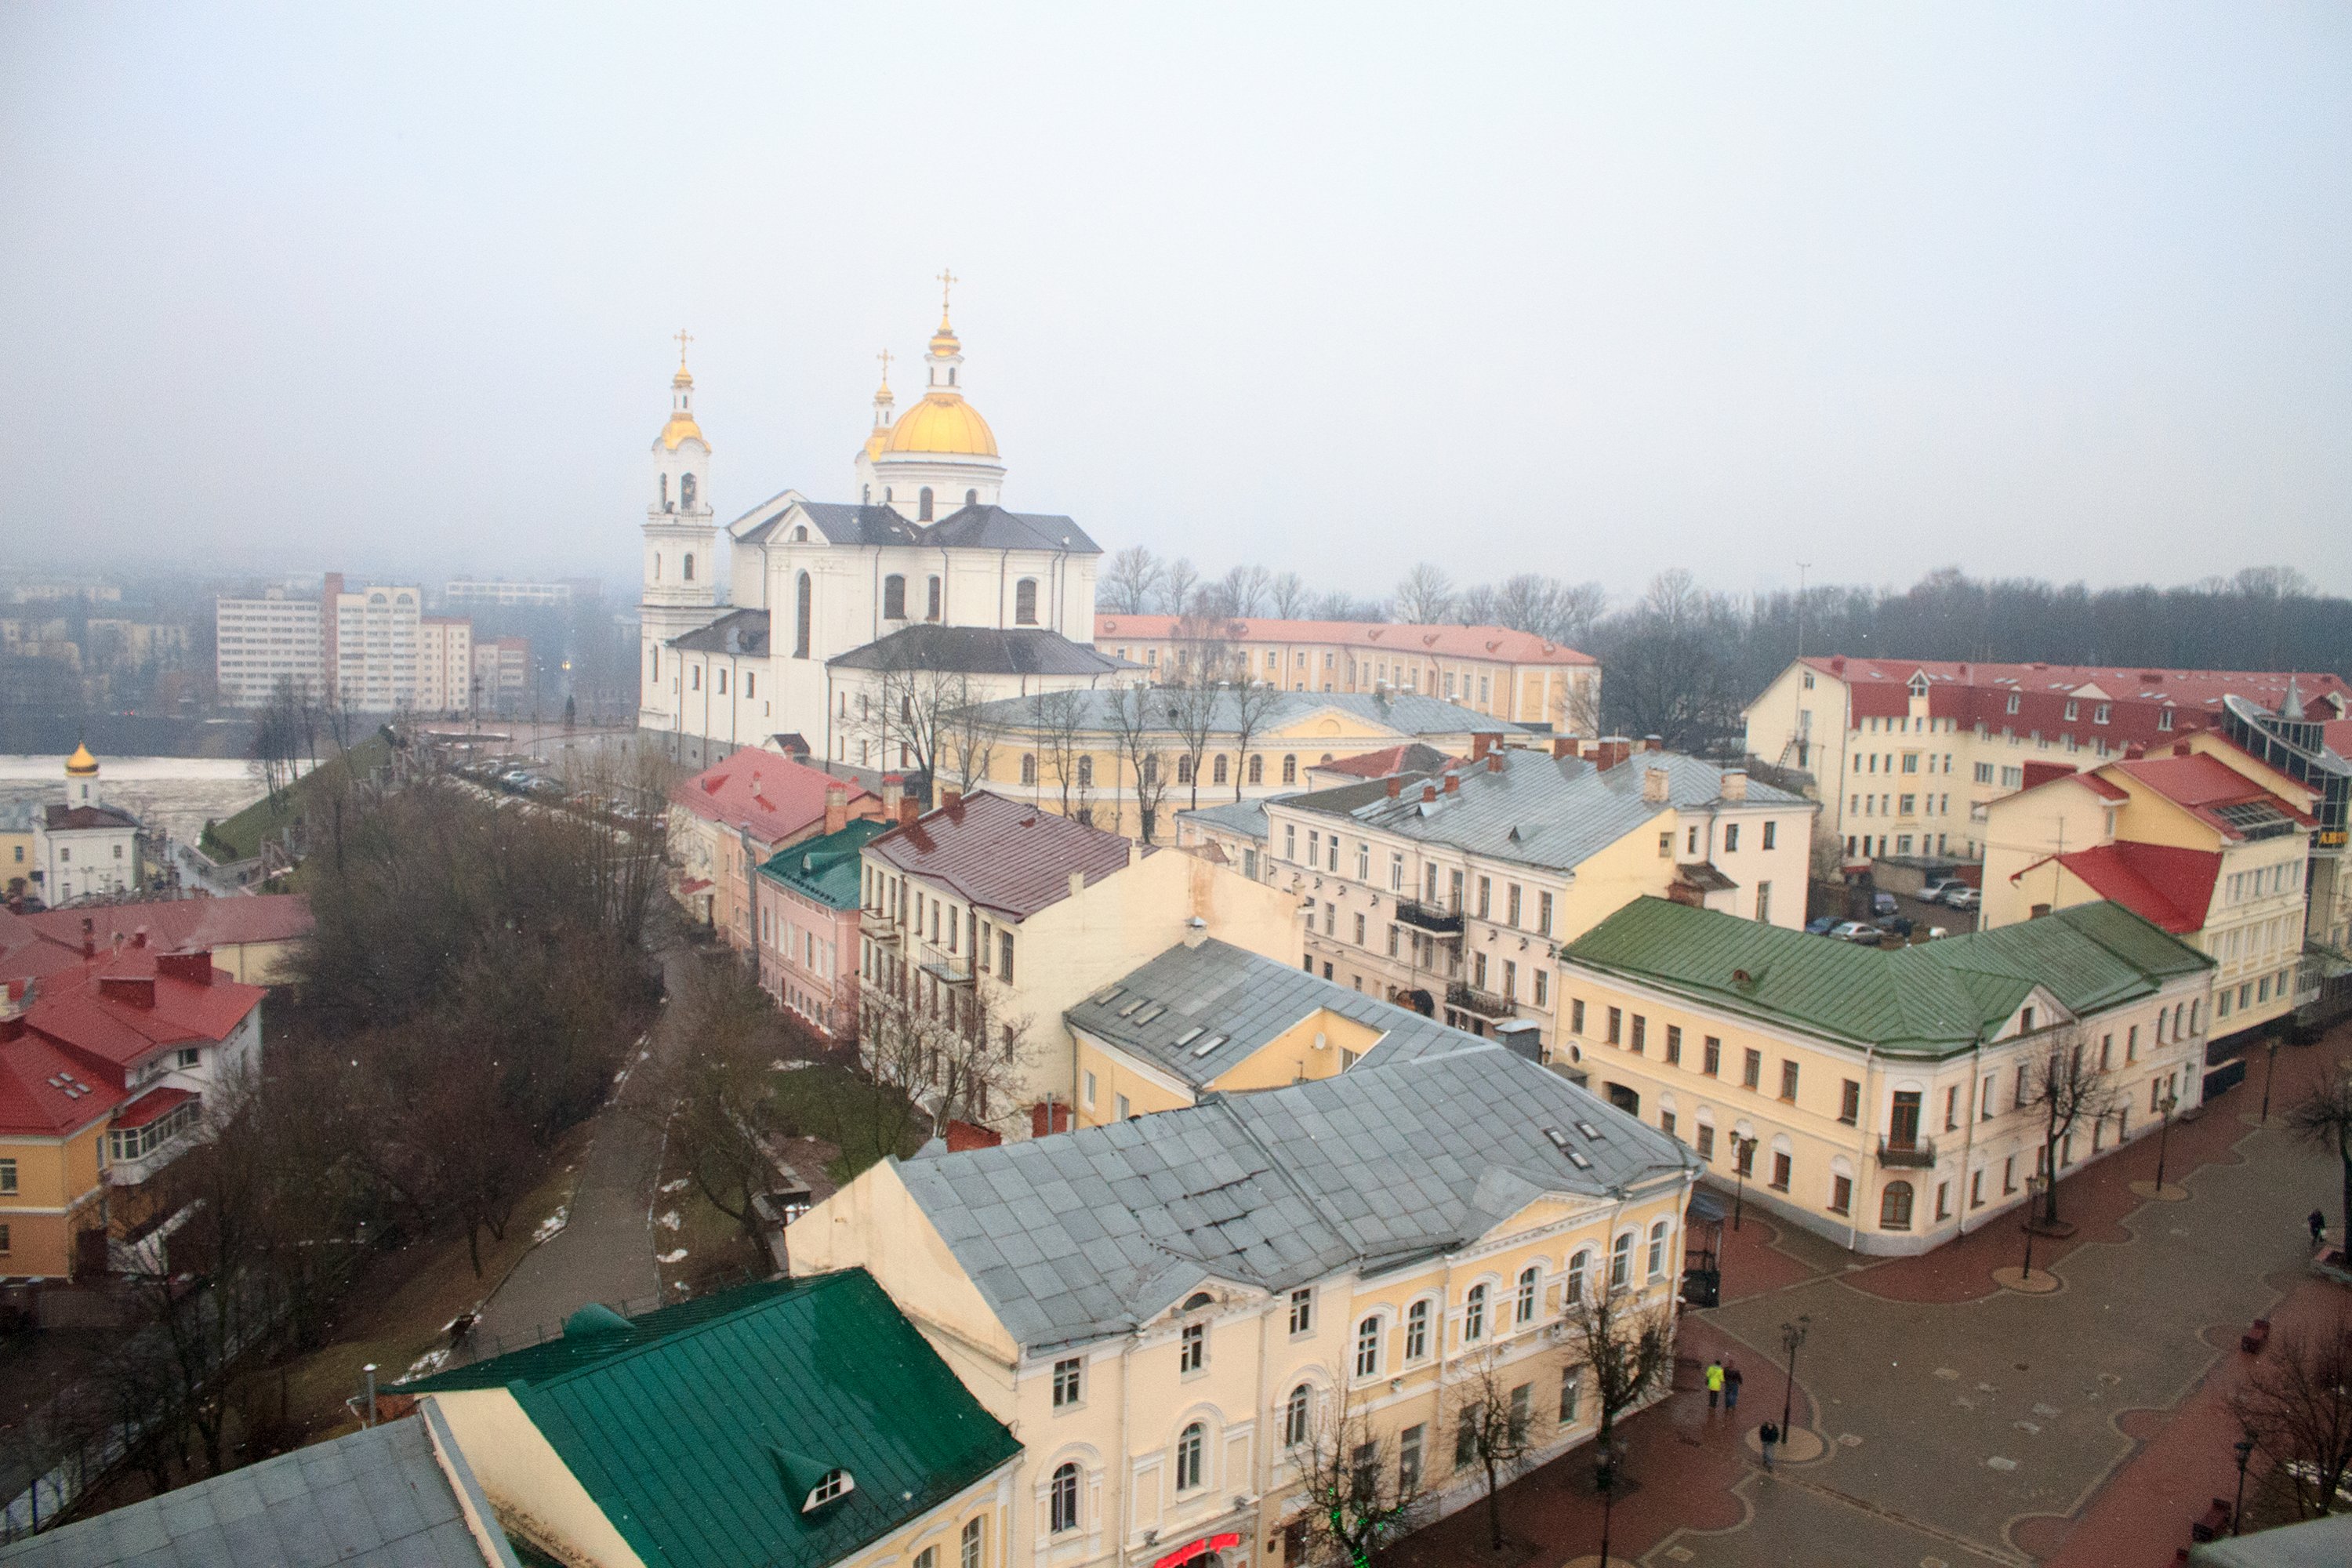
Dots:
pixel 2244 1448
pixel 2270 1072
pixel 1742 1151
pixel 2164 1134
pixel 1608 1483
pixel 1792 1336
pixel 2034 1186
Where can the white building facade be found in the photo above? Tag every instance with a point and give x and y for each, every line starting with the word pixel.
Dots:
pixel 259 643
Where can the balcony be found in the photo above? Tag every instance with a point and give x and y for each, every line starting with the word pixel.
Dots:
pixel 1433 917
pixel 1916 1153
pixel 952 968
pixel 1470 999
pixel 879 924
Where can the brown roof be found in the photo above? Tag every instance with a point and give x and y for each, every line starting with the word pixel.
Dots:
pixel 1000 854
pixel 67 818
pixel 46 943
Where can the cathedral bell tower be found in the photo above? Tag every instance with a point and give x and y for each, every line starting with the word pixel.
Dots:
pixel 681 563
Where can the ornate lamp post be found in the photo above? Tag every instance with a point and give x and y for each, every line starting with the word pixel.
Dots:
pixel 1607 1479
pixel 2164 1134
pixel 1792 1336
pixel 2270 1072
pixel 2244 1448
pixel 1743 1149
pixel 2033 1189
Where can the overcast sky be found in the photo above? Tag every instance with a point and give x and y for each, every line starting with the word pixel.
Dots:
pixel 1591 291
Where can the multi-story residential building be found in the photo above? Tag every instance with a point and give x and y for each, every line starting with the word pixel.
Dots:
pixel 85 848
pixel 726 820
pixel 1503 674
pixel 261 643
pixel 1450 890
pixel 104 1067
pixel 1907 751
pixel 1886 1099
pixel 808 900
pixel 1207 1017
pixel 1086 753
pixel 793 1424
pixel 991 910
pixel 503 674
pixel 2198 837
pixel 372 637
pixel 444 664
pixel 1170 1310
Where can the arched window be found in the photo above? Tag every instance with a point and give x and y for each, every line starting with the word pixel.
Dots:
pixel 973 1545
pixel 1577 1267
pixel 1416 1331
pixel 894 597
pixel 1184 768
pixel 665 492
pixel 801 592
pixel 1367 1347
pixel 1062 1500
pixel 1217 769
pixel 1294 1414
pixel 1474 1315
pixel 1290 770
pixel 1658 1250
pixel 1621 1262
pixel 654 670
pixel 972 497
pixel 686 492
pixel 722 683
pixel 934 613
pixel 1087 771
pixel 1531 1285
pixel 1257 770
pixel 657 565
pixel 923 504
pixel 1029 767
pixel 689 565
pixel 1895 1206
pixel 698 678
pixel 1188 1456
pixel 1024 602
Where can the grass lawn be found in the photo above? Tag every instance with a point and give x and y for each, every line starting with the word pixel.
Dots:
pixel 822 1100
pixel 240 837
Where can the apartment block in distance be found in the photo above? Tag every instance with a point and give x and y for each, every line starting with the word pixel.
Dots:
pixel 444 664
pixel 259 643
pixel 1909 752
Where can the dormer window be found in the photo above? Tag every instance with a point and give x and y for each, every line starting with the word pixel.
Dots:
pixel 1919 685
pixel 834 1485
pixel 2164 719
pixel 2014 702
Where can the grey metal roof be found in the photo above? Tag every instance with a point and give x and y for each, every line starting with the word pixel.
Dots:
pixel 1538 809
pixel 1240 1001
pixel 376 1498
pixel 967 528
pixel 1243 817
pixel 736 632
pixel 1090 1233
pixel 979 650
pixel 1406 715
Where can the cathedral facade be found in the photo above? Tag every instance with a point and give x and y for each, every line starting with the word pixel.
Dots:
pixel 837 623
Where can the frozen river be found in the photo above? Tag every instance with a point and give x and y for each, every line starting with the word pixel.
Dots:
pixel 176 795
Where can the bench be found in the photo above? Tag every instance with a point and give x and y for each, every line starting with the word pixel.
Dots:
pixel 2211 1524
pixel 2252 1340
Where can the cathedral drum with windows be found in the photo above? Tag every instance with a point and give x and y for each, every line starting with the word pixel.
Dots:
pixel 834 608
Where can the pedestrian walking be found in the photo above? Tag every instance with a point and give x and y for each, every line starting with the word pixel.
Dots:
pixel 1714 1384
pixel 2319 1222
pixel 1766 1437
pixel 1731 1386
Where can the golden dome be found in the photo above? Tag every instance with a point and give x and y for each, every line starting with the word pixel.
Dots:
pixel 681 378
pixel 943 422
pixel 81 765
pixel 943 342
pixel 679 428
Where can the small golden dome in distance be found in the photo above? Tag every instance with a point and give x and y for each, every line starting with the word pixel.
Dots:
pixel 81 765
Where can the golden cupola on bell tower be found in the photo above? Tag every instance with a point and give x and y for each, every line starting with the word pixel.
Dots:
pixel 940 456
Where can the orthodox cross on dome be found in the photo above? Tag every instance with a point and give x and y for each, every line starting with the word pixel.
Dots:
pixel 946 281
pixel 884 357
pixel 684 338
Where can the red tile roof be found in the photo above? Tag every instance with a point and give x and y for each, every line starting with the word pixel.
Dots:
pixel 1413 756
pixel 48 1093
pixel 1429 641
pixel 2200 785
pixel 153 1104
pixel 47 942
pixel 1971 693
pixel 1000 854
pixel 2167 887
pixel 115 1011
pixel 777 798
pixel 2040 774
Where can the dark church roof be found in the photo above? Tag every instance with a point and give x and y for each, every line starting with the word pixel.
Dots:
pixel 979 650
pixel 736 632
pixel 968 528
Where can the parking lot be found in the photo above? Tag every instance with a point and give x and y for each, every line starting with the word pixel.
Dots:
pixel 1829 901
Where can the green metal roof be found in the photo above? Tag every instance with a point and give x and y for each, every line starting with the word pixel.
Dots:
pixel 697 1428
pixel 1936 999
pixel 826 868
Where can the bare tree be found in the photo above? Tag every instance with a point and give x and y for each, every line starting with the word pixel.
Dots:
pixel 1626 1349
pixel 1250 707
pixel 2323 1119
pixel 1499 1424
pixel 1286 595
pixel 970 732
pixel 2296 1405
pixel 1060 721
pixel 1474 606
pixel 1179 581
pixel 1138 723
pixel 1195 712
pixel 1425 595
pixel 714 1091
pixel 1245 590
pixel 2064 1085
pixel 925 719
pixel 1358 1489
pixel 1132 580
pixel 941 1045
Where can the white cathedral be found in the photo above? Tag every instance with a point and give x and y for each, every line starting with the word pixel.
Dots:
pixel 924 570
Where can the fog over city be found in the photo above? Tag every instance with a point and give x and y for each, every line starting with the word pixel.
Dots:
pixel 2031 291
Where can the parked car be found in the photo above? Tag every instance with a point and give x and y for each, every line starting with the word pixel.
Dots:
pixel 1883 904
pixel 1857 931
pixel 1964 898
pixel 1896 925
pixel 1820 927
pixel 1942 888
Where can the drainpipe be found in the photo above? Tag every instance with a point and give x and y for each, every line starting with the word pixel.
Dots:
pixel 1969 1147
pixel 1869 1115
pixel 1125 1458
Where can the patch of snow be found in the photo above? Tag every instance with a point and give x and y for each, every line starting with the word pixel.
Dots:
pixel 550 1225
pixel 676 1187
pixel 669 1221
pixel 430 1362
pixel 781 1064
pixel 677 1257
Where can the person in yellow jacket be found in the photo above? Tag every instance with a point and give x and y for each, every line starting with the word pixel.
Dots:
pixel 1714 1384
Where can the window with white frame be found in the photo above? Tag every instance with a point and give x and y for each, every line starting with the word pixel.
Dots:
pixel 1474 1315
pixel 1367 1347
pixel 1416 1331
pixel 1062 1501
pixel 1188 1456
pixel 1621 1262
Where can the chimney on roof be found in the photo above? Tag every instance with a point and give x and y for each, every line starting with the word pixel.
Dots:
pixel 1396 785
pixel 1611 750
pixel 89 937
pixel 15 997
pixel 1837 664
pixel 893 791
pixel 949 799
pixel 1428 791
pixel 1482 745
pixel 909 809
pixel 1196 932
pixel 1494 761
pixel 1655 784
pixel 139 937
pixel 1735 784
pixel 1566 746
pixel 1654 743
pixel 1453 782
pixel 194 965
pixel 836 808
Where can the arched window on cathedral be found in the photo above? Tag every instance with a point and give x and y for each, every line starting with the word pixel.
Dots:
pixel 894 597
pixel 886 495
pixel 952 369
pixel 923 504
pixel 665 492
pixel 689 566
pixel 657 565
pixel 972 497
pixel 1024 602
pixel 686 492
pixel 801 617
pixel 865 495
pixel 934 611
